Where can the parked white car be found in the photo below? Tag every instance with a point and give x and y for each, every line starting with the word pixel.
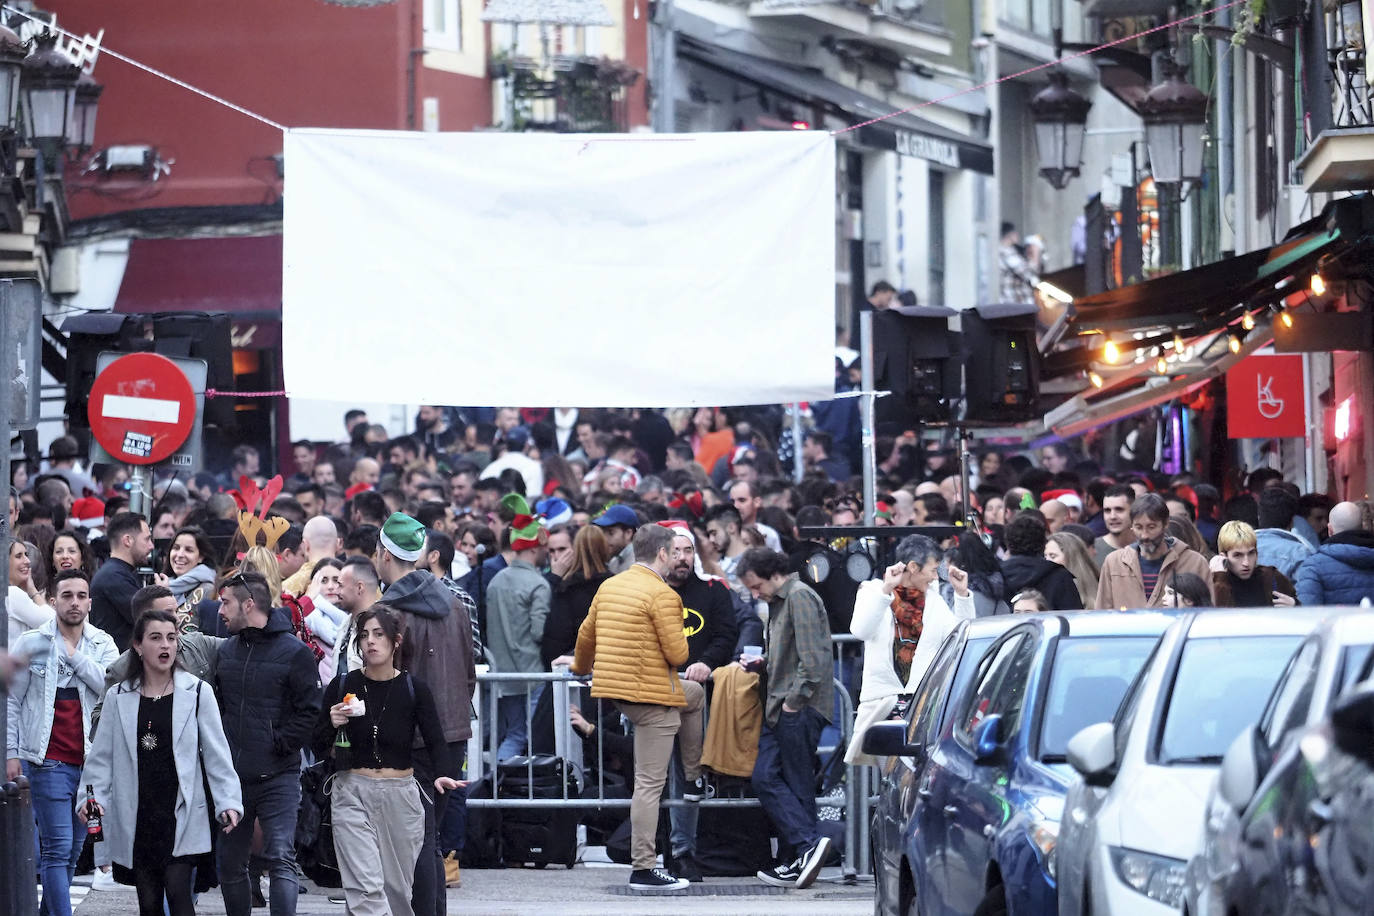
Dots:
pixel 1328 663
pixel 1134 819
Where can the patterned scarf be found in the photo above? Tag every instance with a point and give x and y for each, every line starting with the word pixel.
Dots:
pixel 908 608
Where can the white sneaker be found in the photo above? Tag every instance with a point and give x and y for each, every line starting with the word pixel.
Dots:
pixel 103 880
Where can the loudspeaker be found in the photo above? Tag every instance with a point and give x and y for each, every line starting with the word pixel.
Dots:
pixel 202 336
pixel 87 337
pixel 1002 363
pixel 915 356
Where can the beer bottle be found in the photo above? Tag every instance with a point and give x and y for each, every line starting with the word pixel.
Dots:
pixel 93 828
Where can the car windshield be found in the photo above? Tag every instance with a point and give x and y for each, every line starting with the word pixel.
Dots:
pixel 1088 680
pixel 1221 686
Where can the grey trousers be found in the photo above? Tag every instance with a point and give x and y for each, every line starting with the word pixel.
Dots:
pixel 378 832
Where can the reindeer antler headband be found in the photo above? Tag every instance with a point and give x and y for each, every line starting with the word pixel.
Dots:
pixel 253 522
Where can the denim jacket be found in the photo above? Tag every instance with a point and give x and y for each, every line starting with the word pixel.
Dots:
pixel 34 691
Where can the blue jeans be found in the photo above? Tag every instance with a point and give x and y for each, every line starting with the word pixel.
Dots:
pixel 785 776
pixel 274 803
pixel 512 725
pixel 684 817
pixel 60 832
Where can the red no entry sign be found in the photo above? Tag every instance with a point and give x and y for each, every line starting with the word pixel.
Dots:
pixel 141 408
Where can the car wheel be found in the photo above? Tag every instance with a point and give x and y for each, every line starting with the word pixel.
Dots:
pixel 994 904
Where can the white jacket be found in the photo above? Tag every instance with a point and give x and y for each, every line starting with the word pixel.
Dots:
pixel 24 614
pixel 874 624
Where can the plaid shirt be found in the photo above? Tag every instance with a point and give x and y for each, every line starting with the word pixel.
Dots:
pixel 478 650
pixel 800 670
pixel 1018 280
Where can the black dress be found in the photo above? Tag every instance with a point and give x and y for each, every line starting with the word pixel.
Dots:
pixel 155 833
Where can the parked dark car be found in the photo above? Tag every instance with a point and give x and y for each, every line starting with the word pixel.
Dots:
pixel 969 808
pixel 1307 821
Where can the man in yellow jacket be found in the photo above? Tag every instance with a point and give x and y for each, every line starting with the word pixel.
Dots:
pixel 634 642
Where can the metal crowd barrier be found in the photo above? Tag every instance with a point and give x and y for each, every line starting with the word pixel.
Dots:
pixel 568 745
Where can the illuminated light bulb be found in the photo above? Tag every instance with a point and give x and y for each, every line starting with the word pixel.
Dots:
pixel 1235 343
pixel 1286 318
pixel 1095 379
pixel 1318 285
pixel 1161 365
pixel 1248 322
pixel 1111 352
pixel 1178 343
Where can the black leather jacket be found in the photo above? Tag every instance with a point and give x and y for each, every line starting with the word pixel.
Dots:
pixel 269 691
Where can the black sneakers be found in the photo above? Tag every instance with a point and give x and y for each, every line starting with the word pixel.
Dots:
pixel 782 875
pixel 811 861
pixel 698 790
pixel 802 873
pixel 655 879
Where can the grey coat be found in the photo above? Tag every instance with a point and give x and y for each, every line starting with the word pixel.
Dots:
pixel 113 761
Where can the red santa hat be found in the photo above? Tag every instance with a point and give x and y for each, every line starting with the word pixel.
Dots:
pixel 88 512
pixel 1069 498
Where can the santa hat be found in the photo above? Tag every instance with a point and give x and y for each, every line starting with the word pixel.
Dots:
pixel 1069 498
pixel 88 512
pixel 555 511
pixel 681 528
pixel 403 537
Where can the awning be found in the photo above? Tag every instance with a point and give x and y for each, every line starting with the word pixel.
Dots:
pixel 1079 415
pixel 236 274
pixel 906 133
pixel 1209 297
pixel 239 275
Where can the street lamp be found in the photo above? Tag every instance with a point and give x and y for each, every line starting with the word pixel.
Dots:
pixel 1174 113
pixel 49 97
pixel 12 56
pixel 82 134
pixel 1060 115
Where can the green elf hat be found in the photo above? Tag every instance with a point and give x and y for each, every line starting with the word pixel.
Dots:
pixel 403 537
pixel 526 529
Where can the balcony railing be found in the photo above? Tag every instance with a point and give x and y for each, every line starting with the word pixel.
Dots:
pixel 1352 103
pixel 566 94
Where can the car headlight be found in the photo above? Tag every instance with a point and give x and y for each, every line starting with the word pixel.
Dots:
pixel 1157 877
pixel 1045 836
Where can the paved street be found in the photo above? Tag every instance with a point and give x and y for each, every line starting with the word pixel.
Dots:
pixel 594 889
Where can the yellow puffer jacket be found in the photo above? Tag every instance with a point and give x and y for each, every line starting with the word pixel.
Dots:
pixel 633 640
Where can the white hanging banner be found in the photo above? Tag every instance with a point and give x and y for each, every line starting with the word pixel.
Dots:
pixel 490 269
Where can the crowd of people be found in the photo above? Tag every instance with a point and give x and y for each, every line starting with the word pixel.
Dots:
pixel 342 613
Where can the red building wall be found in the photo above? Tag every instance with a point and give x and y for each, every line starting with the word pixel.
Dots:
pixel 637 56
pixel 302 63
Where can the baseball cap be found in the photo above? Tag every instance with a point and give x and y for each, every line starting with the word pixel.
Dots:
pixel 617 515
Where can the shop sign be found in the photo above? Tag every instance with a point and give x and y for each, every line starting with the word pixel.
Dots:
pixel 931 148
pixel 1266 398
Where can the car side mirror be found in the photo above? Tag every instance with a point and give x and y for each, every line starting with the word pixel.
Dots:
pixel 987 739
pixel 1352 722
pixel 888 739
pixel 1242 768
pixel 1092 753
